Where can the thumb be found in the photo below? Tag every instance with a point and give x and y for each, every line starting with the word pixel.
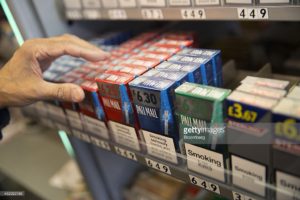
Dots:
pixel 63 92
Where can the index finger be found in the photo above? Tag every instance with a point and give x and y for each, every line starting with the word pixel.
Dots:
pixel 68 45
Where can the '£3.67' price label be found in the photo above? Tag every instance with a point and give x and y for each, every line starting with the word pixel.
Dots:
pixel 237 111
pixel 193 14
pixel 158 166
pixel 125 153
pixel 204 184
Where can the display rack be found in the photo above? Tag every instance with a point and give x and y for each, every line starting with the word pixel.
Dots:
pixel 49 18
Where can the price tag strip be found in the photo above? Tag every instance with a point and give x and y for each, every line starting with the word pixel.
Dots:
pixel 204 184
pixel 125 153
pixel 253 13
pixel 158 166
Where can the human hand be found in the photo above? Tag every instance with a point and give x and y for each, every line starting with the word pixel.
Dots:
pixel 21 81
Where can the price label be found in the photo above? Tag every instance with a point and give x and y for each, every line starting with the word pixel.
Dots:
pixel 72 4
pixel 239 196
pixel 91 14
pixel 125 153
pixel 117 14
pixel 158 166
pixel 204 184
pixel 152 14
pixel 100 143
pixel 236 111
pixel 91 3
pixel 193 14
pixel 288 129
pixel 253 13
pixel 74 14
pixel 81 136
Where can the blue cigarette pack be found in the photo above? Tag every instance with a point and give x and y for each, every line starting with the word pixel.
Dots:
pixel 153 100
pixel 214 55
pixel 178 76
pixel 194 74
pixel 205 65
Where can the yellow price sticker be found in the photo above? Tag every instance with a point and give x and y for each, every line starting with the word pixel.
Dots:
pixel 237 111
pixel 287 129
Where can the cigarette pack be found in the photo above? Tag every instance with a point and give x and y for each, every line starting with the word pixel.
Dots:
pixel 193 70
pixel 153 100
pixel 204 64
pixel 91 105
pixel 143 62
pixel 135 70
pixel 115 96
pixel 214 55
pixel 286 146
pixel 205 128
pixel 178 76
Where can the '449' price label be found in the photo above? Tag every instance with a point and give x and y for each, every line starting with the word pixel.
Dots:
pixel 193 14
pixel 253 13
pixel 239 196
pixel 158 166
pixel 204 184
pixel 125 153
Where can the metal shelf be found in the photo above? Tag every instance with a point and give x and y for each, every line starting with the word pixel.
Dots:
pixel 243 12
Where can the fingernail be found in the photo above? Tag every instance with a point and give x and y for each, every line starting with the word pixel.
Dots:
pixel 77 95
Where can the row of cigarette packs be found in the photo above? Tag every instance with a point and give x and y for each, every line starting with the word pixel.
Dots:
pixel 157 83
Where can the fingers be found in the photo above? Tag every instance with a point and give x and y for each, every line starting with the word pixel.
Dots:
pixel 52 48
pixel 62 92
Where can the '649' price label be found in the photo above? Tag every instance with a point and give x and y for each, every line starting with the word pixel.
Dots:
pixel 253 13
pixel 125 153
pixel 158 166
pixel 204 184
pixel 193 14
